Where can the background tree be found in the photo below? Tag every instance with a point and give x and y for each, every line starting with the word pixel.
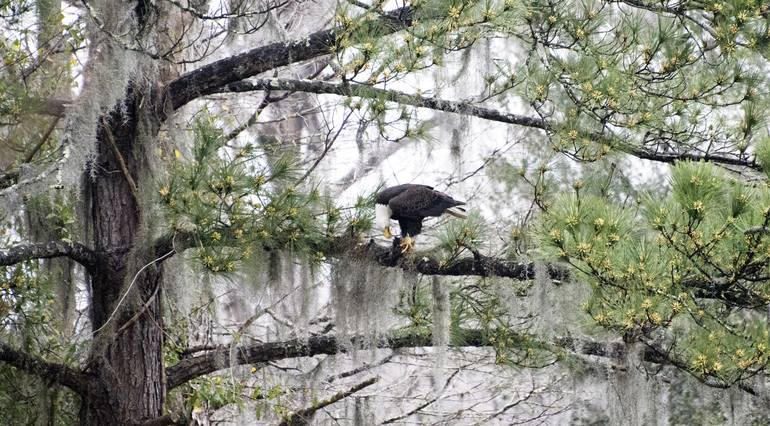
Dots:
pixel 149 164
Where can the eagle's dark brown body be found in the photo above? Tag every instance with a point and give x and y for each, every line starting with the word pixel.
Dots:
pixel 409 204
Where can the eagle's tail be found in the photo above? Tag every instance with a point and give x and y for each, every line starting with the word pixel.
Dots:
pixel 457 211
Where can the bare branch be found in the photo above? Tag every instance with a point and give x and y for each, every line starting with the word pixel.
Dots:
pixel 361 369
pixel 303 417
pixel 75 251
pixel 369 92
pixel 47 370
pixel 430 401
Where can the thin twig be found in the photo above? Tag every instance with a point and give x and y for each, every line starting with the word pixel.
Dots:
pixel 302 417
pixel 426 403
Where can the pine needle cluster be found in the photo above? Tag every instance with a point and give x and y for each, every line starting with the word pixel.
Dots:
pixel 690 267
pixel 230 202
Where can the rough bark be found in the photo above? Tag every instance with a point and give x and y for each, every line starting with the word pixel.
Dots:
pixel 127 351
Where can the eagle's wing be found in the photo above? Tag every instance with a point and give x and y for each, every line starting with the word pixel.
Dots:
pixel 388 194
pixel 421 201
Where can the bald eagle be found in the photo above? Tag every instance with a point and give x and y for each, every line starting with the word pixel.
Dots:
pixel 409 204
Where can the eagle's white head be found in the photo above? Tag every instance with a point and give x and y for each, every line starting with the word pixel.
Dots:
pixel 382 214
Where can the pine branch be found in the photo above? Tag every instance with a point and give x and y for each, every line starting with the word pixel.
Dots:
pixel 303 417
pixel 219 358
pixel 369 92
pixel 75 251
pixel 464 108
pixel 656 353
pixel 59 373
pixel 210 78
pixel 479 264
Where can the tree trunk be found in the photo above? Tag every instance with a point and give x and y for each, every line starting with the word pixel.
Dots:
pixel 126 357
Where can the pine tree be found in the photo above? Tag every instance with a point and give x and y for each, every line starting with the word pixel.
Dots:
pixel 106 183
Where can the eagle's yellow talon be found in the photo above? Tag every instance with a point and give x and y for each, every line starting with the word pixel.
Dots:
pixel 386 232
pixel 407 244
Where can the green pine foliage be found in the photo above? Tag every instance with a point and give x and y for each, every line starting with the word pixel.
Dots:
pixel 227 203
pixel 27 318
pixel 460 237
pixel 228 206
pixel 692 265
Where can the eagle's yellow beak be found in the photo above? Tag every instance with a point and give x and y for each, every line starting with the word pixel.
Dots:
pixel 386 232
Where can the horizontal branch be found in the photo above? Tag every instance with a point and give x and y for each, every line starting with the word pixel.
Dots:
pixel 219 358
pixel 646 154
pixel 58 373
pixel 369 92
pixel 463 108
pixel 209 78
pixel 75 251
pixel 478 265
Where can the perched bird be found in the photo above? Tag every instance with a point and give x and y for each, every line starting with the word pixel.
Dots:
pixel 409 204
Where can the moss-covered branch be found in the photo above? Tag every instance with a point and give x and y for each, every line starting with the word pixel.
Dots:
pixel 75 251
pixel 219 358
